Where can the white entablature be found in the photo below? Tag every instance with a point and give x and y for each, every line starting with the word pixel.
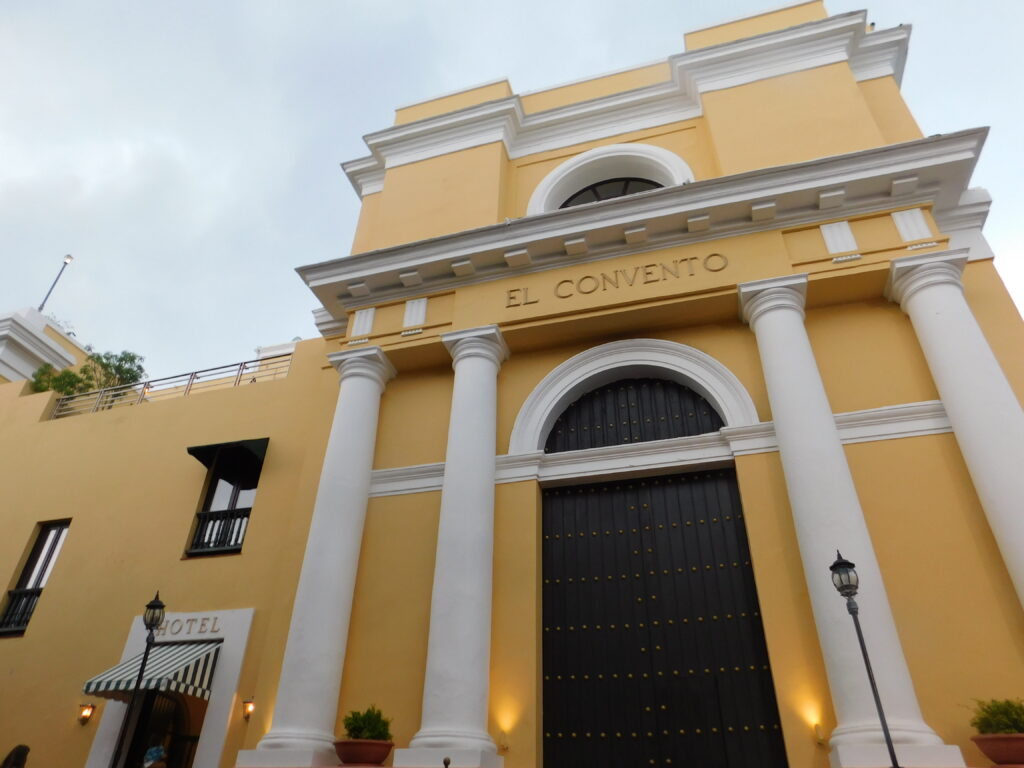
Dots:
pixel 934 170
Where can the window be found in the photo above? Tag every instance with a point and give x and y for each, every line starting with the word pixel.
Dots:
pixel 649 165
pixel 21 601
pixel 609 188
pixel 234 472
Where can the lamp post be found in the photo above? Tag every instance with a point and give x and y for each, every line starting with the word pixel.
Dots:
pixel 844 577
pixel 152 618
pixel 67 260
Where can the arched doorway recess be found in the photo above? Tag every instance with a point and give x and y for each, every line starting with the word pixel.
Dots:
pixel 630 358
pixel 653 648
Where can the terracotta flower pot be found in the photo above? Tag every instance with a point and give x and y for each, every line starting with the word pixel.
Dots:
pixel 1002 748
pixel 362 751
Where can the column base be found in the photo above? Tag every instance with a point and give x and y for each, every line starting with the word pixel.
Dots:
pixel 433 757
pixel 286 758
pixel 908 756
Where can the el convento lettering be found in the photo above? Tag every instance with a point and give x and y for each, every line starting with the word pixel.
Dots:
pixel 627 277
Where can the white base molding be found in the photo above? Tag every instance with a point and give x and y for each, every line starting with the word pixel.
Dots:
pixel 286 758
pixel 908 756
pixel 433 757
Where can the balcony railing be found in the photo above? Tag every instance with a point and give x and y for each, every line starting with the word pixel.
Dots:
pixel 20 605
pixel 224 377
pixel 221 531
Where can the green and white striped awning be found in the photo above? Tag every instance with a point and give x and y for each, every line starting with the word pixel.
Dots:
pixel 180 667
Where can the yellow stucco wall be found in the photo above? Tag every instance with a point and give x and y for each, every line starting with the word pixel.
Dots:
pixel 797 665
pixel 869 358
pixel 790 119
pixel 451 193
pixel 901 496
pixel 453 101
pixel 386 658
pixel 594 88
pixel 942 570
pixel 769 21
pixel 890 111
pixel 124 479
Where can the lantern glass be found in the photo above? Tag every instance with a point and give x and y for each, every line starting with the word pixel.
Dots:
pixel 844 576
pixel 154 614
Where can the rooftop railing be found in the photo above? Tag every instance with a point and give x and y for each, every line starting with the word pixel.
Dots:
pixel 183 385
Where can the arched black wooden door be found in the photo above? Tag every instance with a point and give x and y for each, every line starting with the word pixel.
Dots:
pixel 653 647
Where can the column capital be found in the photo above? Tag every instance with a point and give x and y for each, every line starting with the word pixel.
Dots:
pixel 760 296
pixel 485 341
pixel 370 362
pixel 910 274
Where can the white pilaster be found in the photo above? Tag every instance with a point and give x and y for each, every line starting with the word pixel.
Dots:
pixel 458 650
pixel 984 411
pixel 306 707
pixel 827 516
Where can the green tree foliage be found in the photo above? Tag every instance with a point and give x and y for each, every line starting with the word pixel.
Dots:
pixel 99 371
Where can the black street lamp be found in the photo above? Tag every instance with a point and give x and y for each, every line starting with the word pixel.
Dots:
pixel 152 618
pixel 845 579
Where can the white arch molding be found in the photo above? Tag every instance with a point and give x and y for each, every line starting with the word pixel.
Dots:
pixel 609 162
pixel 630 358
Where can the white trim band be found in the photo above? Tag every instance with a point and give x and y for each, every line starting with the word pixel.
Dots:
pixel 891 422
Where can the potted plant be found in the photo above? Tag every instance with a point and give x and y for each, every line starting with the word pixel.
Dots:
pixel 369 738
pixel 1000 726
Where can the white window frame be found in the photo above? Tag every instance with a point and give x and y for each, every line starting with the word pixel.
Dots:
pixel 644 161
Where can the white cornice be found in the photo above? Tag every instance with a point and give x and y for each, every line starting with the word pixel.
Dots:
pixel 891 422
pixel 941 164
pixel 882 53
pixel 366 175
pixel 970 213
pixel 328 325
pixel 829 41
pixel 24 346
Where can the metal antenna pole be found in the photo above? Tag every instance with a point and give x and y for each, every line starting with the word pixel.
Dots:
pixel 67 260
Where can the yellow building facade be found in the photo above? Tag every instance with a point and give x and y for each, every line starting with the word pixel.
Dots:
pixel 612 372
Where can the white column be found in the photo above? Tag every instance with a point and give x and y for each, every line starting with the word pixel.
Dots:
pixel 306 708
pixel 454 720
pixel 827 517
pixel 986 416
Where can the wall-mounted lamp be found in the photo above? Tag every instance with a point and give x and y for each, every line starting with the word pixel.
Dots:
pixel 85 712
pixel 248 707
pixel 819 735
pixel 503 741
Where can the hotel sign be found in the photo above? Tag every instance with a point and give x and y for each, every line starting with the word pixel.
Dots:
pixel 189 627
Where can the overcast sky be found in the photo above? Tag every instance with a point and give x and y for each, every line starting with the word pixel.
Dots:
pixel 187 153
